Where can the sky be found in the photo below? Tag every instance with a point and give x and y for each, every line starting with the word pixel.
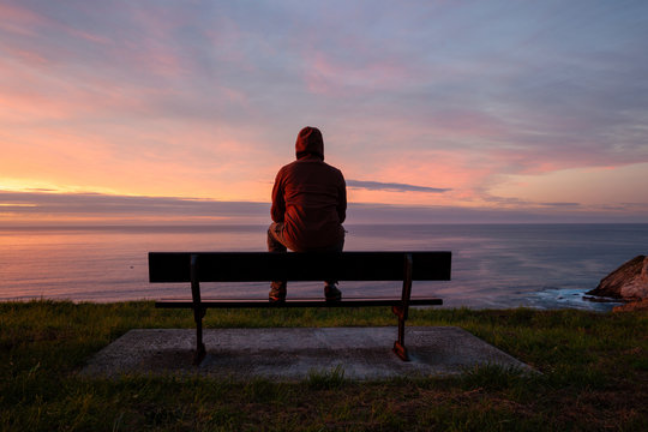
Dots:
pixel 165 112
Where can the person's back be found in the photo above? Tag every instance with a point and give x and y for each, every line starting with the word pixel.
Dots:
pixel 308 206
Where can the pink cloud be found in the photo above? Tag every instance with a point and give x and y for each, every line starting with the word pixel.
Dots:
pixel 17 19
pixel 324 74
pixel 145 45
pixel 226 39
pixel 466 123
pixel 20 20
pixel 31 95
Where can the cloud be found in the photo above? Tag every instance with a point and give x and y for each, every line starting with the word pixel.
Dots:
pixel 106 207
pixel 403 214
pixel 560 204
pixel 205 98
pixel 393 187
pixel 34 208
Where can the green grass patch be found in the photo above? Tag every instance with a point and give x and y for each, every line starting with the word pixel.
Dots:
pixel 327 379
pixel 594 375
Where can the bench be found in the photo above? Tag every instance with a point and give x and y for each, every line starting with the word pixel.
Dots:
pixel 197 267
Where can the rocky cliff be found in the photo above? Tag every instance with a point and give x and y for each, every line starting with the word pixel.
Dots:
pixel 628 282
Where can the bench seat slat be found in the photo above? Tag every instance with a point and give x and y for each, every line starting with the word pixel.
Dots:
pixel 296 302
pixel 265 267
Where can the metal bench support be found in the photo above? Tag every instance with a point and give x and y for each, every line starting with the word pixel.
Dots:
pixel 198 310
pixel 402 310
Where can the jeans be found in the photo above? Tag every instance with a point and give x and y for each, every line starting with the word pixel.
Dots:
pixel 277 243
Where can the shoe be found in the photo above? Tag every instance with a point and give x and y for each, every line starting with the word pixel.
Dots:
pixel 332 293
pixel 277 294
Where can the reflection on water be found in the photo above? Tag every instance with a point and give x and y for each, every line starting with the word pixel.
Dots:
pixel 493 265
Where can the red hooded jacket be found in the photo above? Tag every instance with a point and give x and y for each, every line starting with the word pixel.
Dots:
pixel 309 197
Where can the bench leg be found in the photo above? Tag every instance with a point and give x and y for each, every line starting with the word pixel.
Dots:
pixel 402 310
pixel 199 312
pixel 399 346
pixel 200 352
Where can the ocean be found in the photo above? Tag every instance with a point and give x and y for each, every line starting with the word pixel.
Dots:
pixel 544 266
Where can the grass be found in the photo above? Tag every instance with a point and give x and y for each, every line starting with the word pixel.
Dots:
pixel 594 375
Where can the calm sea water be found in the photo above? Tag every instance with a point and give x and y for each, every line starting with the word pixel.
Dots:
pixel 542 266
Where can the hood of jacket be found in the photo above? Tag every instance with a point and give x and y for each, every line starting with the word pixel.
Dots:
pixel 309 141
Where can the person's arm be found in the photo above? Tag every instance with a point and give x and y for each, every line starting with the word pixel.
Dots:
pixel 342 200
pixel 278 204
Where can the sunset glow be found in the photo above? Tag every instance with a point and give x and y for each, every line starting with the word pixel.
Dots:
pixel 168 112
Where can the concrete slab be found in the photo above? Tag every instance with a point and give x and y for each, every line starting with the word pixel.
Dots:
pixel 295 353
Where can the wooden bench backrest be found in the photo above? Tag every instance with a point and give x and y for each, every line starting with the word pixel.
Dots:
pixel 265 266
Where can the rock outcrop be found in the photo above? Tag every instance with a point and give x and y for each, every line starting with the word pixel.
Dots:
pixel 629 282
pixel 632 306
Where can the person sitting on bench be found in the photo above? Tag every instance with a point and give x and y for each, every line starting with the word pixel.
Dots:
pixel 308 208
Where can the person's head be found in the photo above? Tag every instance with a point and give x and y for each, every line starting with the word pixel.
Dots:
pixel 309 142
